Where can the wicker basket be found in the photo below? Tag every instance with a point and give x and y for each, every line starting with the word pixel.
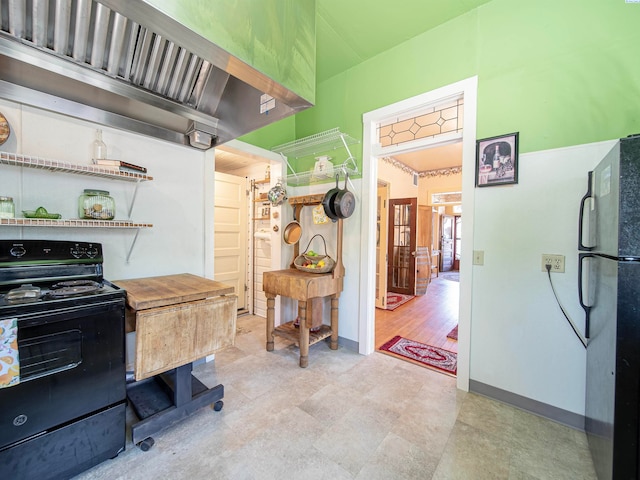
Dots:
pixel 301 259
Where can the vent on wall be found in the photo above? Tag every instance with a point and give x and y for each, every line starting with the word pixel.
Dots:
pixel 415 179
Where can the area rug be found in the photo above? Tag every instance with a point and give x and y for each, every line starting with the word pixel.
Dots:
pixel 453 275
pixel 394 300
pixel 453 334
pixel 426 354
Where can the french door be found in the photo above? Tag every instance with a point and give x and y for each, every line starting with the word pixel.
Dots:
pixel 401 271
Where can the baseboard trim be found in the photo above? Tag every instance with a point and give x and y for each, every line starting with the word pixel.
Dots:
pixel 348 344
pixel 550 412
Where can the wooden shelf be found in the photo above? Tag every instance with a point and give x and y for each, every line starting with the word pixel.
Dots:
pixel 260 218
pixel 266 180
pixel 308 200
pixel 28 161
pixel 72 222
pixel 291 333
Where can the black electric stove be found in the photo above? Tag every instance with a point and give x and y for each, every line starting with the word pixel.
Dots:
pixel 67 412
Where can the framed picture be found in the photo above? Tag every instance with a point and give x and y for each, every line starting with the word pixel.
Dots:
pixel 497 160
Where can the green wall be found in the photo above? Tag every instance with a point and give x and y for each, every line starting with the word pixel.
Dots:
pixel 560 73
pixel 276 37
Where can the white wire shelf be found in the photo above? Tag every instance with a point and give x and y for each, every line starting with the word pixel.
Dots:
pixel 29 161
pixel 314 144
pixel 72 222
pixel 317 143
pixel 309 177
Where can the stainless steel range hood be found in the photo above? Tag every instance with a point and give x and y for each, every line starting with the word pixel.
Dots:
pixel 125 64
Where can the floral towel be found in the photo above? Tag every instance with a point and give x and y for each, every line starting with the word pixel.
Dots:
pixel 9 362
pixel 319 217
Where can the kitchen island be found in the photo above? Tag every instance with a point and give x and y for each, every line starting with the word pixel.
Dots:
pixel 177 319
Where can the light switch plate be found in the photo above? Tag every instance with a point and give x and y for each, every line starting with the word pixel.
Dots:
pixel 478 257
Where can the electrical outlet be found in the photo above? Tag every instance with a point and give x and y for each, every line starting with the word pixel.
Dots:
pixel 556 262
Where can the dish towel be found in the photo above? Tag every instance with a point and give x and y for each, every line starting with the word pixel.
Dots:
pixel 9 360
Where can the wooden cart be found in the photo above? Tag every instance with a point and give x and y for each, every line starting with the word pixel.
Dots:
pixel 177 319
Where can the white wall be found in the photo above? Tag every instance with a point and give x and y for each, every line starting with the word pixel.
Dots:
pixel 178 202
pixel 520 342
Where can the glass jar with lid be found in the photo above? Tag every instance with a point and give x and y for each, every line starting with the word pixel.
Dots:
pixel 96 205
pixel 7 207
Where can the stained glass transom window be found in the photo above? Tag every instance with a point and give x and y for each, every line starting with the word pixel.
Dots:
pixel 440 119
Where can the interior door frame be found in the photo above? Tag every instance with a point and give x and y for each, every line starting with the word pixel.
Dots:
pixel 371 151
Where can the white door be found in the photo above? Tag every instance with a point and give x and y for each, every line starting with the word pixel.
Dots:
pixel 230 236
pixel 381 246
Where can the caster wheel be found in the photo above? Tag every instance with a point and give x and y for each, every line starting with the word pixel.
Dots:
pixel 218 405
pixel 146 444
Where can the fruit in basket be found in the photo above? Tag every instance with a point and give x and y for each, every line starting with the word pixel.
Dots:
pixel 321 264
pixel 311 253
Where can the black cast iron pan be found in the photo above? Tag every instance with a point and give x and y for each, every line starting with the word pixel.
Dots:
pixel 327 201
pixel 344 202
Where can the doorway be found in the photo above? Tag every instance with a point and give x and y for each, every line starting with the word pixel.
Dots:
pixel 447 227
pixel 254 233
pixel 430 315
pixel 371 152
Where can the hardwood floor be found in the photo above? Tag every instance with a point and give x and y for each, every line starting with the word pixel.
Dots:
pixel 426 319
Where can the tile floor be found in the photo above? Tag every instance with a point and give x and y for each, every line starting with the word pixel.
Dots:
pixel 347 416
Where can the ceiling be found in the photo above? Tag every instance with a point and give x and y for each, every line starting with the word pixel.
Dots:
pixel 435 158
pixel 235 162
pixel 348 33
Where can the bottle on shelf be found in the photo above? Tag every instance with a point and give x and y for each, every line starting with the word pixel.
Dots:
pixel 496 157
pixel 99 147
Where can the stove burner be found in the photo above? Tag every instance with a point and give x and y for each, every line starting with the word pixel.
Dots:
pixel 73 287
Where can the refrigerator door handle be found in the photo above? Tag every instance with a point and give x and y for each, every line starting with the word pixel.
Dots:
pixel 586 308
pixel 587 195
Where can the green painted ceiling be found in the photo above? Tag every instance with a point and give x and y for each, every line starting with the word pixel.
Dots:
pixel 349 32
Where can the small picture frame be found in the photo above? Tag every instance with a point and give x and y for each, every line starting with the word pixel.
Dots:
pixel 497 160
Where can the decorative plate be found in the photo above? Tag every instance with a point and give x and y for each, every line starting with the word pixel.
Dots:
pixel 5 131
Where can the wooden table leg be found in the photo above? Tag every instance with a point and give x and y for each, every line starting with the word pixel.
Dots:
pixel 271 303
pixel 304 335
pixel 335 300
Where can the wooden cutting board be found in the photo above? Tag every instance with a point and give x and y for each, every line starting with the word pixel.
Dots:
pixel 152 292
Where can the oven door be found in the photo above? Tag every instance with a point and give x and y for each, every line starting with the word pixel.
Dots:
pixel 72 363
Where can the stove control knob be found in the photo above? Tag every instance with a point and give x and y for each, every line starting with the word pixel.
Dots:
pixel 20 420
pixel 92 251
pixel 17 251
pixel 77 251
